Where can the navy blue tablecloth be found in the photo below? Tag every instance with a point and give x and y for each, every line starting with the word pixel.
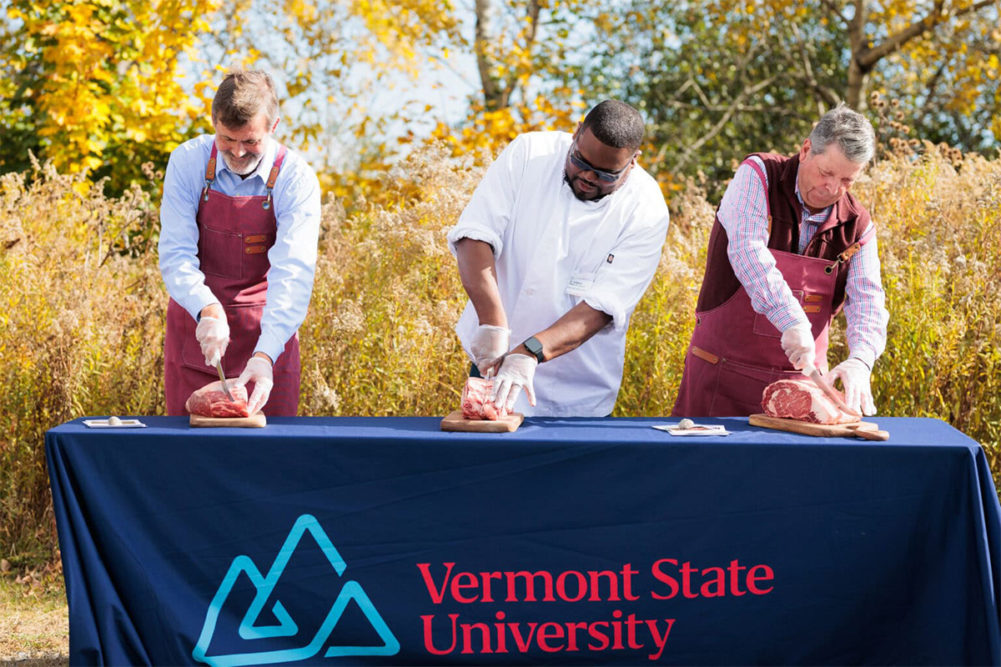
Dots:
pixel 386 541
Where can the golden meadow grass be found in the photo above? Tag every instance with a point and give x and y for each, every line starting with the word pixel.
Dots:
pixel 81 323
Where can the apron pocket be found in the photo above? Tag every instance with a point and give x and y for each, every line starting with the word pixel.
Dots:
pixel 739 388
pixel 220 253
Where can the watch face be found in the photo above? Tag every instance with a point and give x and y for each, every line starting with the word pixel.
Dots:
pixel 535 347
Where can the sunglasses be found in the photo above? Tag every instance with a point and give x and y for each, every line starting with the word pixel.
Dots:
pixel 582 164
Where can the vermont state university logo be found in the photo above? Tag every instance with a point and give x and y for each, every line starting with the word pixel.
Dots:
pixel 281 624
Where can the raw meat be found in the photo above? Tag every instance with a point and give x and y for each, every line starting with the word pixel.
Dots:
pixel 476 403
pixel 211 401
pixel 802 400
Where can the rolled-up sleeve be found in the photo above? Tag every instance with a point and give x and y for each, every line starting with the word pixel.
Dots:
pixel 489 210
pixel 178 244
pixel 292 257
pixel 624 274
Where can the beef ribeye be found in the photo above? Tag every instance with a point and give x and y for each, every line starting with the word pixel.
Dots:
pixel 211 401
pixel 802 400
pixel 476 403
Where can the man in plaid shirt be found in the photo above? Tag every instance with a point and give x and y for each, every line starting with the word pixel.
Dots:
pixel 790 248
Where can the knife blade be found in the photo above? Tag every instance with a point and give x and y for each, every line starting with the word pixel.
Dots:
pixel 222 379
pixel 831 393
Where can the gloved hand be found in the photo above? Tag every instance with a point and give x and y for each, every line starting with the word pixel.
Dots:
pixel 799 346
pixel 259 371
pixel 490 343
pixel 854 376
pixel 213 335
pixel 516 373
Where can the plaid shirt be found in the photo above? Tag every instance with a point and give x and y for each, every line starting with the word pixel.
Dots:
pixel 744 215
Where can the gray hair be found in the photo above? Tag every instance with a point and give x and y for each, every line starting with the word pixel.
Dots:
pixel 242 95
pixel 851 130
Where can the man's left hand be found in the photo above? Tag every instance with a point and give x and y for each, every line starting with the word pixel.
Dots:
pixel 517 372
pixel 259 371
pixel 854 376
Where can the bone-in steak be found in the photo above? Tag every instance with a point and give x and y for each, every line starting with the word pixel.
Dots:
pixel 802 400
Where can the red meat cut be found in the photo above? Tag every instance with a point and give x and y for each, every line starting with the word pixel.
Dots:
pixel 211 401
pixel 802 400
pixel 476 403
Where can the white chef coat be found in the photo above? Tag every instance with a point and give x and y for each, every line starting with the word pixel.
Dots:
pixel 552 251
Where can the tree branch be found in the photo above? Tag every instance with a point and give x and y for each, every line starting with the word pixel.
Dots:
pixel 722 122
pixel 867 58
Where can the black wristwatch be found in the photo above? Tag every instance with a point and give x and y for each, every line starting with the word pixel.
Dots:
pixel 533 345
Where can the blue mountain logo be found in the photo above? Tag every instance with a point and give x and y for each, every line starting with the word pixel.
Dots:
pixel 252 628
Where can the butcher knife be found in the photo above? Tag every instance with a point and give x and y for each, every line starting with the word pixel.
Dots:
pixel 829 391
pixel 222 379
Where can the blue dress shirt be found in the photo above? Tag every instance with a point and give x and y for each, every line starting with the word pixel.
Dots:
pixel 296 199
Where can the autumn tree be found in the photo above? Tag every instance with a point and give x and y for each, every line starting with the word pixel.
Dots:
pixel 720 78
pixel 528 54
pixel 97 86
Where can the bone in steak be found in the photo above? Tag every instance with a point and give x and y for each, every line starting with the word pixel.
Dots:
pixel 802 400
pixel 476 403
pixel 211 401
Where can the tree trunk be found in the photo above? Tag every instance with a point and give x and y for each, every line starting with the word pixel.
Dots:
pixel 494 96
pixel 855 89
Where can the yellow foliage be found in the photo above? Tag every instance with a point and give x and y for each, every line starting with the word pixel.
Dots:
pixel 110 73
pixel 488 132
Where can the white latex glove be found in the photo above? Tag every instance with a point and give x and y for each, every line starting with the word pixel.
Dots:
pixel 259 371
pixel 213 335
pixel 516 373
pixel 490 343
pixel 799 346
pixel 854 376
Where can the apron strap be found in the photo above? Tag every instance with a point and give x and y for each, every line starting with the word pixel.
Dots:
pixel 850 251
pixel 273 176
pixel 209 173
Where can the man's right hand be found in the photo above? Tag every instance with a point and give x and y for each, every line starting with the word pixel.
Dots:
pixel 517 372
pixel 213 336
pixel 799 346
pixel 489 345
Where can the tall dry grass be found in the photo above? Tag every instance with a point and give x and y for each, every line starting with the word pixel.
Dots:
pixel 81 323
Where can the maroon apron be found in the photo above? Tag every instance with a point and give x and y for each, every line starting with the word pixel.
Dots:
pixel 735 352
pixel 234 235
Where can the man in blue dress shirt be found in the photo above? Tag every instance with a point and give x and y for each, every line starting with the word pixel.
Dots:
pixel 240 219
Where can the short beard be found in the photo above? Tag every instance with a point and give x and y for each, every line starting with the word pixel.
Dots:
pixel 249 170
pixel 598 197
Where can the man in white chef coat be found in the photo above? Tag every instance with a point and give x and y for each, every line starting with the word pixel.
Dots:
pixel 555 248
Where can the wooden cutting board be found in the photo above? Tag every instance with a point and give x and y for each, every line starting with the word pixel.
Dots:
pixel 455 422
pixel 860 429
pixel 254 421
